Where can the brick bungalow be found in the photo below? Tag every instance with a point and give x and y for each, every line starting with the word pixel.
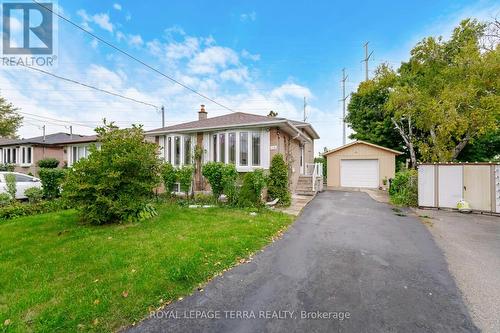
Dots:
pixel 25 153
pixel 246 140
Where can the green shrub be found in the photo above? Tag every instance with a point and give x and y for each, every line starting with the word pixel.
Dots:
pixel 203 199
pixel 404 188
pixel 277 185
pixel 5 199
pixel 251 190
pixel 169 176
pixel 18 209
pixel 10 185
pixel 185 178
pixel 7 167
pixel 213 172
pixel 49 163
pixel 51 182
pixel 34 194
pixel 229 186
pixel 116 182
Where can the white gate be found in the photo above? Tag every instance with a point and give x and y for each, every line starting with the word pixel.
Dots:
pixel 444 185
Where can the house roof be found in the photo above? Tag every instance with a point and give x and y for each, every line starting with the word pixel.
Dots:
pixel 50 139
pixel 236 119
pixel 396 152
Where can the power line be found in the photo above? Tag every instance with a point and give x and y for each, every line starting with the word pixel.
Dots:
pixel 86 85
pixel 134 58
pixel 344 78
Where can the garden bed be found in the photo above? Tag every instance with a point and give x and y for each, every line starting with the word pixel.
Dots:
pixel 59 275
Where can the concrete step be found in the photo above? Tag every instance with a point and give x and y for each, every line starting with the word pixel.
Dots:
pixel 306 193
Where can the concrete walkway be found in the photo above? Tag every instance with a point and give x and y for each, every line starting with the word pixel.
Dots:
pixel 347 264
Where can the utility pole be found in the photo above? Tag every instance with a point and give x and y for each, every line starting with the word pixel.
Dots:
pixel 71 131
pixel 43 129
pixel 367 58
pixel 305 105
pixel 344 79
pixel 162 116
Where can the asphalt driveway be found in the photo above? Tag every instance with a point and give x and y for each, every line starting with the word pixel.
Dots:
pixel 348 264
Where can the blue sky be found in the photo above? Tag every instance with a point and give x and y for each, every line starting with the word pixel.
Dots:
pixel 253 56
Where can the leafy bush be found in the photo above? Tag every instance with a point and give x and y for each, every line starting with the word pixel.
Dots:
pixel 213 172
pixel 49 163
pixel 116 182
pixel 185 178
pixel 203 199
pixel 404 188
pixel 34 194
pixel 18 209
pixel 4 199
pixel 251 190
pixel 10 185
pixel 51 182
pixel 169 175
pixel 7 167
pixel 278 181
pixel 229 186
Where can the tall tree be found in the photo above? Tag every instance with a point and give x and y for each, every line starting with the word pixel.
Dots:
pixel 10 121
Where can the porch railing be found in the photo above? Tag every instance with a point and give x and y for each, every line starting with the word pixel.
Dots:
pixel 316 171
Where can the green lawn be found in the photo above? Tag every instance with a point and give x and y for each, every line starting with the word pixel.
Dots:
pixel 59 275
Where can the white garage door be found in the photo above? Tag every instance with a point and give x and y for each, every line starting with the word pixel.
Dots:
pixel 359 173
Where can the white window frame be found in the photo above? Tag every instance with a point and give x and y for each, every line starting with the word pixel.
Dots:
pixel 23 156
pixel 71 159
pixel 264 148
pixel 169 150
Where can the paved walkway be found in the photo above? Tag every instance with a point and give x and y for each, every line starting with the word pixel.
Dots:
pixel 346 257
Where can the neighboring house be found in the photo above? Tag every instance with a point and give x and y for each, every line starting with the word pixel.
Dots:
pixel 25 153
pixel 246 140
pixel 360 164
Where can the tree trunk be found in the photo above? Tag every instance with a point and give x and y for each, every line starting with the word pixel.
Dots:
pixel 461 145
pixel 407 138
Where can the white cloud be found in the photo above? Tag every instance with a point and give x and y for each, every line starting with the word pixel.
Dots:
pixel 135 40
pixel 237 75
pixel 247 55
pixel 117 6
pixel 213 58
pixel 291 90
pixel 186 49
pixel 101 19
pixel 245 17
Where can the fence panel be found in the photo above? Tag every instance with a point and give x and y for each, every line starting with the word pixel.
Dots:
pixel 426 186
pixel 450 185
pixel 477 186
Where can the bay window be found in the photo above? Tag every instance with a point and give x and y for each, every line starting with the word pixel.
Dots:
pixel 232 147
pixel 214 144
pixel 255 148
pixel 177 150
pixel 222 147
pixel 244 148
pixel 187 150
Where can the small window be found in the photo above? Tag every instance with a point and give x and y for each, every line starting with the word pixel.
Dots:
pixel 187 150
pixel 244 148
pixel 74 155
pixel 177 144
pixel 255 148
pixel 214 143
pixel 169 145
pixel 29 155
pixel 222 147
pixel 14 155
pixel 232 147
pixel 23 155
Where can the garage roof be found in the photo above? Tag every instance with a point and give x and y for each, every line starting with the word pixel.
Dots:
pixel 362 142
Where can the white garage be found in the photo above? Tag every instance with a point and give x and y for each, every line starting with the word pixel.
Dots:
pixel 359 173
pixel 360 164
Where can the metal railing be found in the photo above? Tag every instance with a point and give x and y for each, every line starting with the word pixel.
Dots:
pixel 316 171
